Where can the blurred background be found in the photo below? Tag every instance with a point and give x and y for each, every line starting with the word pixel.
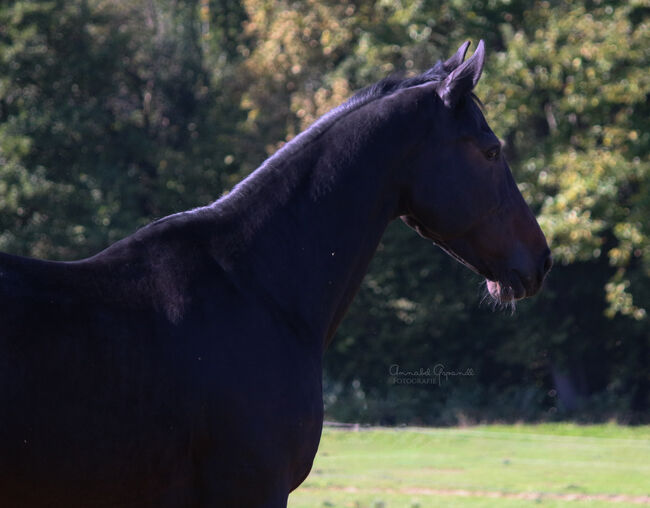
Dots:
pixel 117 112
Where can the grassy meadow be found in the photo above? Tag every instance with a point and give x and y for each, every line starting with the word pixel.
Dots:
pixel 550 465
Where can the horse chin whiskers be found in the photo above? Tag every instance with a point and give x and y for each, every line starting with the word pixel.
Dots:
pixel 499 296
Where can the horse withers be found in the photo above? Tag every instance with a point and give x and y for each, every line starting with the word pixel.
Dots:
pixel 181 366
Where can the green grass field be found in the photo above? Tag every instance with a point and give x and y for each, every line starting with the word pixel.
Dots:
pixel 550 465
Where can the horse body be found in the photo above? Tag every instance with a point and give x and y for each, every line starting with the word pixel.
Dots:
pixel 182 365
pixel 111 397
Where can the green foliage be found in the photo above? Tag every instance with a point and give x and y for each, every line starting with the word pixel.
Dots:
pixel 109 119
pixel 570 95
pixel 113 113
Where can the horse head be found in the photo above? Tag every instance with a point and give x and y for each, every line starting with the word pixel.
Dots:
pixel 461 193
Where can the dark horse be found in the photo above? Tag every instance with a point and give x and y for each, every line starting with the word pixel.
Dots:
pixel 181 366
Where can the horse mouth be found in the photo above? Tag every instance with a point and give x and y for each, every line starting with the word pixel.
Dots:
pixel 504 292
pixel 504 288
pixel 515 288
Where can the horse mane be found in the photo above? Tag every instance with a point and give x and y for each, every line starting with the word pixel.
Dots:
pixel 396 82
pixel 372 93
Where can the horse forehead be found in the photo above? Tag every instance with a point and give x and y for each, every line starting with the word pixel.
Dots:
pixel 472 123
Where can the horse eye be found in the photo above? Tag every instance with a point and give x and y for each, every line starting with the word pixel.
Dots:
pixel 491 154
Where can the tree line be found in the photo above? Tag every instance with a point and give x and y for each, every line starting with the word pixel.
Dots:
pixel 113 113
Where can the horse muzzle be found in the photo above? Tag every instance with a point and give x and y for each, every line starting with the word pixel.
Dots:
pixel 520 283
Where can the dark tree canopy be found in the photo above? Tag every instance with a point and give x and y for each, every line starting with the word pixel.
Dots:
pixel 115 113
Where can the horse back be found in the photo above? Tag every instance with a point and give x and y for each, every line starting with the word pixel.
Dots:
pixel 31 292
pixel 130 373
pixel 89 370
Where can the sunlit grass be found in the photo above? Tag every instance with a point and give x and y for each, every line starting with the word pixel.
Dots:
pixel 553 465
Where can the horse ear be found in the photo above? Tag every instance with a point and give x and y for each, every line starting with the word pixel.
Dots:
pixel 463 78
pixel 458 58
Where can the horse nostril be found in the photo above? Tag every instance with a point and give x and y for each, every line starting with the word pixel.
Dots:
pixel 548 262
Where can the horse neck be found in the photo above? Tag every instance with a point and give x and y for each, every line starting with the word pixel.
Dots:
pixel 309 225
